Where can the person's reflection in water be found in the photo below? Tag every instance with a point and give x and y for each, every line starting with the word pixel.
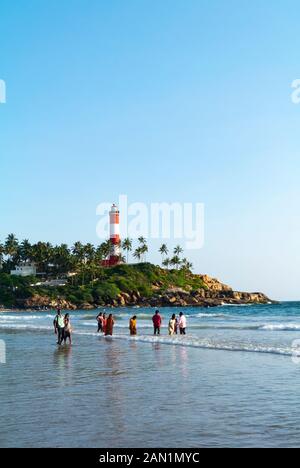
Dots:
pixel 183 363
pixel 63 364
pixel 112 384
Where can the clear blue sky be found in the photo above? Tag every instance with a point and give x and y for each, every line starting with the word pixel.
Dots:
pixel 167 100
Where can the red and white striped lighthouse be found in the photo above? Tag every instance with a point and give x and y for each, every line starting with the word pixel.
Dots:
pixel 114 229
pixel 114 256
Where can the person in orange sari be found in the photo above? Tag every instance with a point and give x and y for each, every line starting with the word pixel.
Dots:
pixel 104 321
pixel 109 326
pixel 132 325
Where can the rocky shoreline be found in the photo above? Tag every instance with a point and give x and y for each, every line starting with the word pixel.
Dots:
pixel 213 294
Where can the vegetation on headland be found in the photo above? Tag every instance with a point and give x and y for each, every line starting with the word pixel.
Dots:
pixel 88 284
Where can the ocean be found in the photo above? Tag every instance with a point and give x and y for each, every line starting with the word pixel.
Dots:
pixel 232 381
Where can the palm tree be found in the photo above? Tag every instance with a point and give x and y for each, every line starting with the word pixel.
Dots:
pixel 11 246
pixel 42 254
pixel 104 250
pixel 163 251
pixel 175 261
pixel 2 252
pixel 89 253
pixel 25 250
pixel 166 263
pixel 178 250
pixel 78 251
pixel 127 246
pixel 61 259
pixel 186 265
pixel 138 253
pixel 144 250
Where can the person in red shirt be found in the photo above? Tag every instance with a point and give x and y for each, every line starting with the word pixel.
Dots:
pixel 156 319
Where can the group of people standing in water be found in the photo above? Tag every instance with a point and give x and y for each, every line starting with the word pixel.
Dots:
pixel 105 325
pixel 63 328
pixel 175 324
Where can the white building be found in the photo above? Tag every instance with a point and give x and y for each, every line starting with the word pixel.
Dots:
pixel 24 269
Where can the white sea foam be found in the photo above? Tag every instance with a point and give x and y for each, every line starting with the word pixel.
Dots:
pixel 280 327
pixel 25 317
pixel 207 315
pixel 209 344
pixel 187 341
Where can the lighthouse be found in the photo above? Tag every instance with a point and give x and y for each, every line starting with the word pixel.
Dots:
pixel 114 229
pixel 114 237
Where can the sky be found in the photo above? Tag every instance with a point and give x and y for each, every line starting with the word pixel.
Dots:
pixel 173 101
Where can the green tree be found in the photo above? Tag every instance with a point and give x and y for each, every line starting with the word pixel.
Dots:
pixel 178 250
pixel 25 251
pixel 11 246
pixel 42 255
pixel 175 261
pixel 138 253
pixel 163 251
pixel 127 246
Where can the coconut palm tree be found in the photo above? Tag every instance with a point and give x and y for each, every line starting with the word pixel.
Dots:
pixel 42 255
pixel 142 240
pixel 89 253
pixel 175 261
pixel 163 251
pixel 138 253
pixel 127 246
pixel 166 263
pixel 104 249
pixel 178 250
pixel 186 265
pixel 78 251
pixel 11 246
pixel 144 250
pixel 25 250
pixel 2 252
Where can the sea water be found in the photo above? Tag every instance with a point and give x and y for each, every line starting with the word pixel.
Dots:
pixel 232 381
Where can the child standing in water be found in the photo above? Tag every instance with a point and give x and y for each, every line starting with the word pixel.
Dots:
pixel 132 325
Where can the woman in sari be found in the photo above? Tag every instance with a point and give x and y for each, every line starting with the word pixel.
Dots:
pixel 104 321
pixel 132 325
pixel 109 326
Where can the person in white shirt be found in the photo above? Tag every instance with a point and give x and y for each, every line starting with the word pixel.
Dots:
pixel 182 323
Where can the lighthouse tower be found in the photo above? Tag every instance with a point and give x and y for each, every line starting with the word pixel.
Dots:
pixel 114 237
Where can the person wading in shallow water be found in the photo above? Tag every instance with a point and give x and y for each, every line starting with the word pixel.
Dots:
pixel 104 322
pixel 132 325
pixel 156 319
pixel 100 322
pixel 172 325
pixel 68 329
pixel 59 326
pixel 109 326
pixel 182 323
